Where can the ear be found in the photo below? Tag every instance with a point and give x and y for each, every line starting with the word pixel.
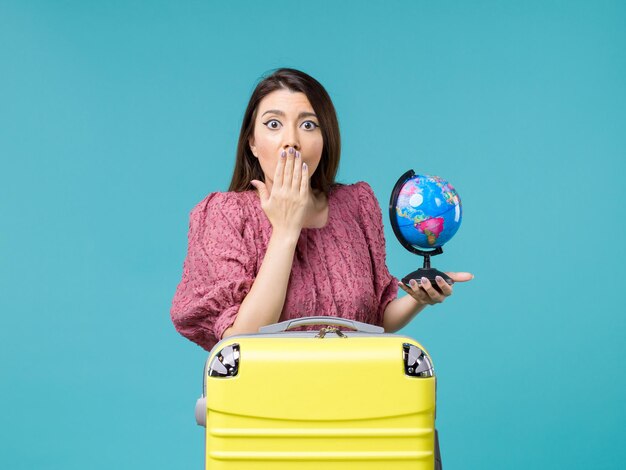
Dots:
pixel 252 147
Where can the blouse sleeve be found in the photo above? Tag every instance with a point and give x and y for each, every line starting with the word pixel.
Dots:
pixel 217 273
pixel 385 285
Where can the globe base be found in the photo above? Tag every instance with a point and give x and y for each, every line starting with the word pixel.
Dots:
pixel 428 273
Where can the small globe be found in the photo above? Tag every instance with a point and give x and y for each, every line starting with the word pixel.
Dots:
pixel 427 210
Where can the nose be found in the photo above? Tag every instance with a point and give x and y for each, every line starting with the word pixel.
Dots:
pixel 291 144
pixel 291 139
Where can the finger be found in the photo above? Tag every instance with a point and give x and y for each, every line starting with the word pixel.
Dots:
pixel 297 171
pixel 446 288
pixel 288 173
pixel 460 277
pixel 430 290
pixel 414 292
pixel 419 293
pixel 304 181
pixel 261 188
pixel 280 168
pixel 402 286
pixel 414 285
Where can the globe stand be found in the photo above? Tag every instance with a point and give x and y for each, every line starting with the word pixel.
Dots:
pixel 426 271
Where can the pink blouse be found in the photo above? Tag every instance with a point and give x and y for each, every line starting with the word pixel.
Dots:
pixel 338 270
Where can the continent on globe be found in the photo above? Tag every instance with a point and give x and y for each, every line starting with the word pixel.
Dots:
pixel 431 228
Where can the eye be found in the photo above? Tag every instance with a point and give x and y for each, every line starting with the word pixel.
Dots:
pixel 273 124
pixel 309 125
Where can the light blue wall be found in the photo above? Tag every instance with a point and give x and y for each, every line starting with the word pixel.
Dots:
pixel 116 118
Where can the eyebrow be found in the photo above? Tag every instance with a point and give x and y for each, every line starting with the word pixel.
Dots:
pixel 280 113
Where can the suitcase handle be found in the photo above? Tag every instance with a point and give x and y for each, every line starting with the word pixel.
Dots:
pixel 321 320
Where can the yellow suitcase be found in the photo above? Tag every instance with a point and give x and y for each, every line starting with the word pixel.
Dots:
pixel 324 398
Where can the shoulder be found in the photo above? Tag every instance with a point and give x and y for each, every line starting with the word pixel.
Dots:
pixel 220 208
pixel 360 193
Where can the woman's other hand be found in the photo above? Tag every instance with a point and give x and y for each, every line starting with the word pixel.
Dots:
pixel 426 294
pixel 289 200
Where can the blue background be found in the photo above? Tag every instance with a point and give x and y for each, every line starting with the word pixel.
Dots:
pixel 116 118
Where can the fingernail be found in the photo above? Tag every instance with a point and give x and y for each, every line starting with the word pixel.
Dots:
pixel 424 280
pixel 439 279
pixel 304 166
pixel 413 282
pixel 297 154
pixel 283 153
pixel 291 150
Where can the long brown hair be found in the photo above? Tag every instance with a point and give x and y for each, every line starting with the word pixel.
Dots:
pixel 247 166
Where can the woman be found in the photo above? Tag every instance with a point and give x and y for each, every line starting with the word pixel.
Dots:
pixel 286 241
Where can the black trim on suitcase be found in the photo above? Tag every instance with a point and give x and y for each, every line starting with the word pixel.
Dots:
pixel 438 464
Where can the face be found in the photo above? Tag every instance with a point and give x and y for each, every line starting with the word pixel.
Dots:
pixel 286 119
